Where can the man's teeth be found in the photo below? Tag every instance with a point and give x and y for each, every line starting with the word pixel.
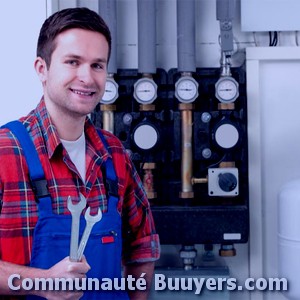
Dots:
pixel 83 93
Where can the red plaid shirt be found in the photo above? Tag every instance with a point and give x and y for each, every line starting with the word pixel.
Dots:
pixel 19 212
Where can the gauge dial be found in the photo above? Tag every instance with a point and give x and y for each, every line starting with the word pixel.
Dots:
pixel 145 136
pixel 227 89
pixel 186 89
pixel 227 136
pixel 145 91
pixel 111 92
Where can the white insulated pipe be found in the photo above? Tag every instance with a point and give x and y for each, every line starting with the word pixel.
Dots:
pixel 186 36
pixel 146 36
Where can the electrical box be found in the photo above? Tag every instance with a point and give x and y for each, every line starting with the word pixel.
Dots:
pixel 270 15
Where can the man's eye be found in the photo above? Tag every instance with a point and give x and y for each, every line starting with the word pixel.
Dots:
pixel 97 66
pixel 72 62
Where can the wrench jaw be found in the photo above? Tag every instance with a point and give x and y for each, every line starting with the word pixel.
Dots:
pixel 90 222
pixel 92 219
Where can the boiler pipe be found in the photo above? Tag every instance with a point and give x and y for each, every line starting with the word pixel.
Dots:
pixel 108 10
pixel 147 66
pixel 186 64
pixel 146 36
pixel 186 35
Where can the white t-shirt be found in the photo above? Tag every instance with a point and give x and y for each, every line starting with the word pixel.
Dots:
pixel 76 151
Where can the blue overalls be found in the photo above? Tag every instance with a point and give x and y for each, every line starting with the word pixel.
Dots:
pixel 51 239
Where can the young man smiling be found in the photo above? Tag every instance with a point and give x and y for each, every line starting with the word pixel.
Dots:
pixel 72 56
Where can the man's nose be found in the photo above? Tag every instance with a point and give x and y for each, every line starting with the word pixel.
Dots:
pixel 84 74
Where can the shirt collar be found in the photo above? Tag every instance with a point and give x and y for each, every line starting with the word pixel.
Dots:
pixel 52 140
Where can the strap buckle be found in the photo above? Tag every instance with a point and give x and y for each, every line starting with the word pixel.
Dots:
pixel 40 188
pixel 112 187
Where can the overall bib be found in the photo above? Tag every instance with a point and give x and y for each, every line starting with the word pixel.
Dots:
pixel 51 239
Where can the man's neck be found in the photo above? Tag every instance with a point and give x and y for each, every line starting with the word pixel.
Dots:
pixel 69 128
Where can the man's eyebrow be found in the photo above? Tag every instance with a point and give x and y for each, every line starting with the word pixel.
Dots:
pixel 72 56
pixel 75 56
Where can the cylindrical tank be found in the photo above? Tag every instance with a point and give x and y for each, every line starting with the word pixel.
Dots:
pixel 289 237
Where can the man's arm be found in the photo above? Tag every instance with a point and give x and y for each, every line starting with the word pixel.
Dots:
pixel 136 269
pixel 63 269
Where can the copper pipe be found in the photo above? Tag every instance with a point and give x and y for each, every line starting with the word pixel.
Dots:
pixel 108 117
pixel 199 180
pixel 186 150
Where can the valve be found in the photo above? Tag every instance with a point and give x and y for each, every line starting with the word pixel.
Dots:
pixel 227 250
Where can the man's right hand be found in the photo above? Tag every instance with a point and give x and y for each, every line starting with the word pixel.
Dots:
pixel 67 269
pixel 63 269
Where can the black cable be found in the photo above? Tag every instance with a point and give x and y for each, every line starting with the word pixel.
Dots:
pixel 273 40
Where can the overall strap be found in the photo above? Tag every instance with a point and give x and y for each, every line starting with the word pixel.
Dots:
pixel 36 172
pixel 109 172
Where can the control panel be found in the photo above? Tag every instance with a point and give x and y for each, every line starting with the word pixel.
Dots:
pixel 187 136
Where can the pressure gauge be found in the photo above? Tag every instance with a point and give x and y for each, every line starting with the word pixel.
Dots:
pixel 186 89
pixel 145 90
pixel 227 89
pixel 111 92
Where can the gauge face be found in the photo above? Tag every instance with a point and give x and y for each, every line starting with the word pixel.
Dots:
pixel 227 89
pixel 227 136
pixel 186 89
pixel 145 91
pixel 145 137
pixel 111 92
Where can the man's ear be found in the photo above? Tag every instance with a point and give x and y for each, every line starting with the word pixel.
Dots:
pixel 41 69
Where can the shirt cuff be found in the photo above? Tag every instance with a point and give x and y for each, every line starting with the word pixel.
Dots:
pixel 145 249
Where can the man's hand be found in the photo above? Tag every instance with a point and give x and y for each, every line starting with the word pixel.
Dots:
pixel 69 269
pixel 66 269
pixel 63 269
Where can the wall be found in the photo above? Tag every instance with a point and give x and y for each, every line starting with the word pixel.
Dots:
pixel 21 91
pixel 19 84
pixel 273 148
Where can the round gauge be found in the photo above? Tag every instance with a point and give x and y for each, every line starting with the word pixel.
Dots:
pixel 227 89
pixel 111 92
pixel 145 136
pixel 186 89
pixel 145 91
pixel 227 136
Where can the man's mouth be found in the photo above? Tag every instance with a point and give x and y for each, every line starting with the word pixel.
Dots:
pixel 83 93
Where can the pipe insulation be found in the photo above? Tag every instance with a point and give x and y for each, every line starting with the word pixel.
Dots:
pixel 186 36
pixel 108 11
pixel 146 36
pixel 225 10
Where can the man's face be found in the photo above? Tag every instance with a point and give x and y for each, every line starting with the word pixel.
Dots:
pixel 75 80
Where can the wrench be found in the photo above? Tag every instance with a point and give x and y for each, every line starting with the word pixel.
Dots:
pixel 75 210
pixel 90 221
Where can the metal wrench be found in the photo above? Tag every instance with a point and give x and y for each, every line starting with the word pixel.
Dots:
pixel 90 221
pixel 75 210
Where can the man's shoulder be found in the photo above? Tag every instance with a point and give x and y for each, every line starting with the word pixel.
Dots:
pixel 110 138
pixel 7 137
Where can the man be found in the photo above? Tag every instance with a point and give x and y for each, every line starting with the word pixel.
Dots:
pixel 72 56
